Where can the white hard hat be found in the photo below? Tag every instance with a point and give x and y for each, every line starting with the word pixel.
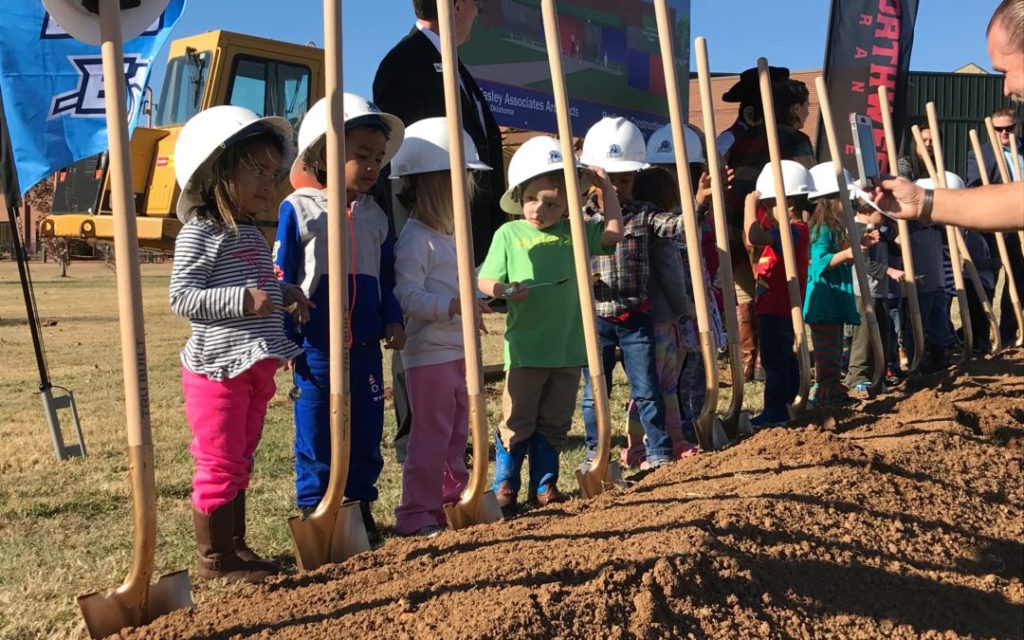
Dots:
pixel 660 151
pixel 207 135
pixel 795 178
pixel 823 176
pixel 426 149
pixel 615 145
pixel 83 24
pixel 535 157
pixel 313 130
pixel 953 181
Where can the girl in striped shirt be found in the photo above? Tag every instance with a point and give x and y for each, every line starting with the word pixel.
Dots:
pixel 228 163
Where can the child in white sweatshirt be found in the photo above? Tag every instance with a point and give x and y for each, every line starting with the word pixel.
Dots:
pixel 427 288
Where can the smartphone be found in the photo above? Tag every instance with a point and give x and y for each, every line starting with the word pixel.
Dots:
pixel 864 145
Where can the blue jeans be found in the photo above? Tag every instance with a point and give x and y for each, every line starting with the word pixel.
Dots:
pixel 935 318
pixel 312 424
pixel 635 338
pixel 781 369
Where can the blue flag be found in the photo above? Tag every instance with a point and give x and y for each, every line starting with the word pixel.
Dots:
pixel 52 87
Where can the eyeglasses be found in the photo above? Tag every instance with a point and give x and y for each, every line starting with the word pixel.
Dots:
pixel 1007 129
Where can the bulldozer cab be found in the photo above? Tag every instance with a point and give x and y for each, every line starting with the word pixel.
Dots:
pixel 205 70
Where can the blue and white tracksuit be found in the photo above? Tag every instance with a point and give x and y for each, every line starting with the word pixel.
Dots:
pixel 300 257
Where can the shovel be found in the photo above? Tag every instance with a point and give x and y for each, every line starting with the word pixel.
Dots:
pixel 477 504
pixel 867 303
pixel 979 290
pixel 911 279
pixel 710 434
pixel 335 530
pixel 796 302
pixel 1004 256
pixel 938 176
pixel 1005 173
pixel 136 602
pixel 601 473
pixel 736 422
pixel 519 286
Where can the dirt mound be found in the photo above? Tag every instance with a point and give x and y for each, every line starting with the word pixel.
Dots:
pixel 901 517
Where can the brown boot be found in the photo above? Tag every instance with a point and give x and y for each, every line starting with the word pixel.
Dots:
pixel 217 557
pixel 748 338
pixel 506 500
pixel 549 495
pixel 242 550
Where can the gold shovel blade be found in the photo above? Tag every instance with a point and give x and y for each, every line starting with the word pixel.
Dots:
pixel 466 513
pixel 596 479
pixel 328 536
pixel 105 615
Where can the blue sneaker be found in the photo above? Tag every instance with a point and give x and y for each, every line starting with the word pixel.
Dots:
pixel 770 419
pixel 864 389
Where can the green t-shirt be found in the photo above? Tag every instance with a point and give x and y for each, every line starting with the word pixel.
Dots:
pixel 546 329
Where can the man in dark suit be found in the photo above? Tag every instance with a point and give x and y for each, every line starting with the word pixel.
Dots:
pixel 409 85
pixel 1005 123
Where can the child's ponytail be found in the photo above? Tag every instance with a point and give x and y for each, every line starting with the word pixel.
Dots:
pixel 428 198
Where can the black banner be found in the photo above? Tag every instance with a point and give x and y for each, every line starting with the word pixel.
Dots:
pixel 8 176
pixel 869 43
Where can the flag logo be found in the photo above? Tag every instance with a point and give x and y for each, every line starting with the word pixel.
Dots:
pixel 86 100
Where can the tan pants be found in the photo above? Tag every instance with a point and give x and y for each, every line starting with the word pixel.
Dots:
pixel 537 400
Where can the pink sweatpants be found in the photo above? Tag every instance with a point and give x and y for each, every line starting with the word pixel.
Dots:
pixel 434 472
pixel 226 419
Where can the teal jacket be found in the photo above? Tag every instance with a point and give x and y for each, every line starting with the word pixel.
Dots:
pixel 829 298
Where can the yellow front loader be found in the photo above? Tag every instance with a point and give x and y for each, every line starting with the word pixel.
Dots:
pixel 205 70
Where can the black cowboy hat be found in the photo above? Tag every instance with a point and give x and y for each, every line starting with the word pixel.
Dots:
pixel 747 89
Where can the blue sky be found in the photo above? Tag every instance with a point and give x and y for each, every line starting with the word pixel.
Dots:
pixel 788 32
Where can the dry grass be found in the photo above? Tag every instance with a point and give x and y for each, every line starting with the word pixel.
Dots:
pixel 65 528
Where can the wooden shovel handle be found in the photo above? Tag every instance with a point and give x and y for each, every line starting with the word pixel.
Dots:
pixel 867 303
pixel 721 233
pixel 337 276
pixel 1004 255
pixel 464 253
pixel 906 251
pixel 955 259
pixel 693 254
pixel 796 408
pixel 1004 171
pixel 581 255
pixel 129 298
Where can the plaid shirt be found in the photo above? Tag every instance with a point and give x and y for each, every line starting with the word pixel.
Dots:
pixel 622 280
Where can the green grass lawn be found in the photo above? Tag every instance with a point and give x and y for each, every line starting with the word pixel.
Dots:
pixel 65 527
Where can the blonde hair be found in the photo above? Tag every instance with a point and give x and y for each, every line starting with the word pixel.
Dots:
pixel 221 201
pixel 829 213
pixel 428 197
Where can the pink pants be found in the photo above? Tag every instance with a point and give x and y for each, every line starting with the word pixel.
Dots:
pixel 226 419
pixel 434 472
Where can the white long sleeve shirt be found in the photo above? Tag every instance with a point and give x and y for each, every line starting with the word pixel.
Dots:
pixel 426 280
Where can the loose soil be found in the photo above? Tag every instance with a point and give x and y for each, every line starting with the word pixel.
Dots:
pixel 899 517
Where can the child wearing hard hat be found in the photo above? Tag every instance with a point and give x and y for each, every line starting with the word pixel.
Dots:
pixel 829 303
pixel 300 254
pixel 771 302
pixel 684 396
pixel 881 276
pixel 530 264
pixel 623 282
pixel 228 162
pixel 427 287
pixel 672 314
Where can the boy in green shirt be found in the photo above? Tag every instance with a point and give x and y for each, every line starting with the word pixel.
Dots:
pixel 530 264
